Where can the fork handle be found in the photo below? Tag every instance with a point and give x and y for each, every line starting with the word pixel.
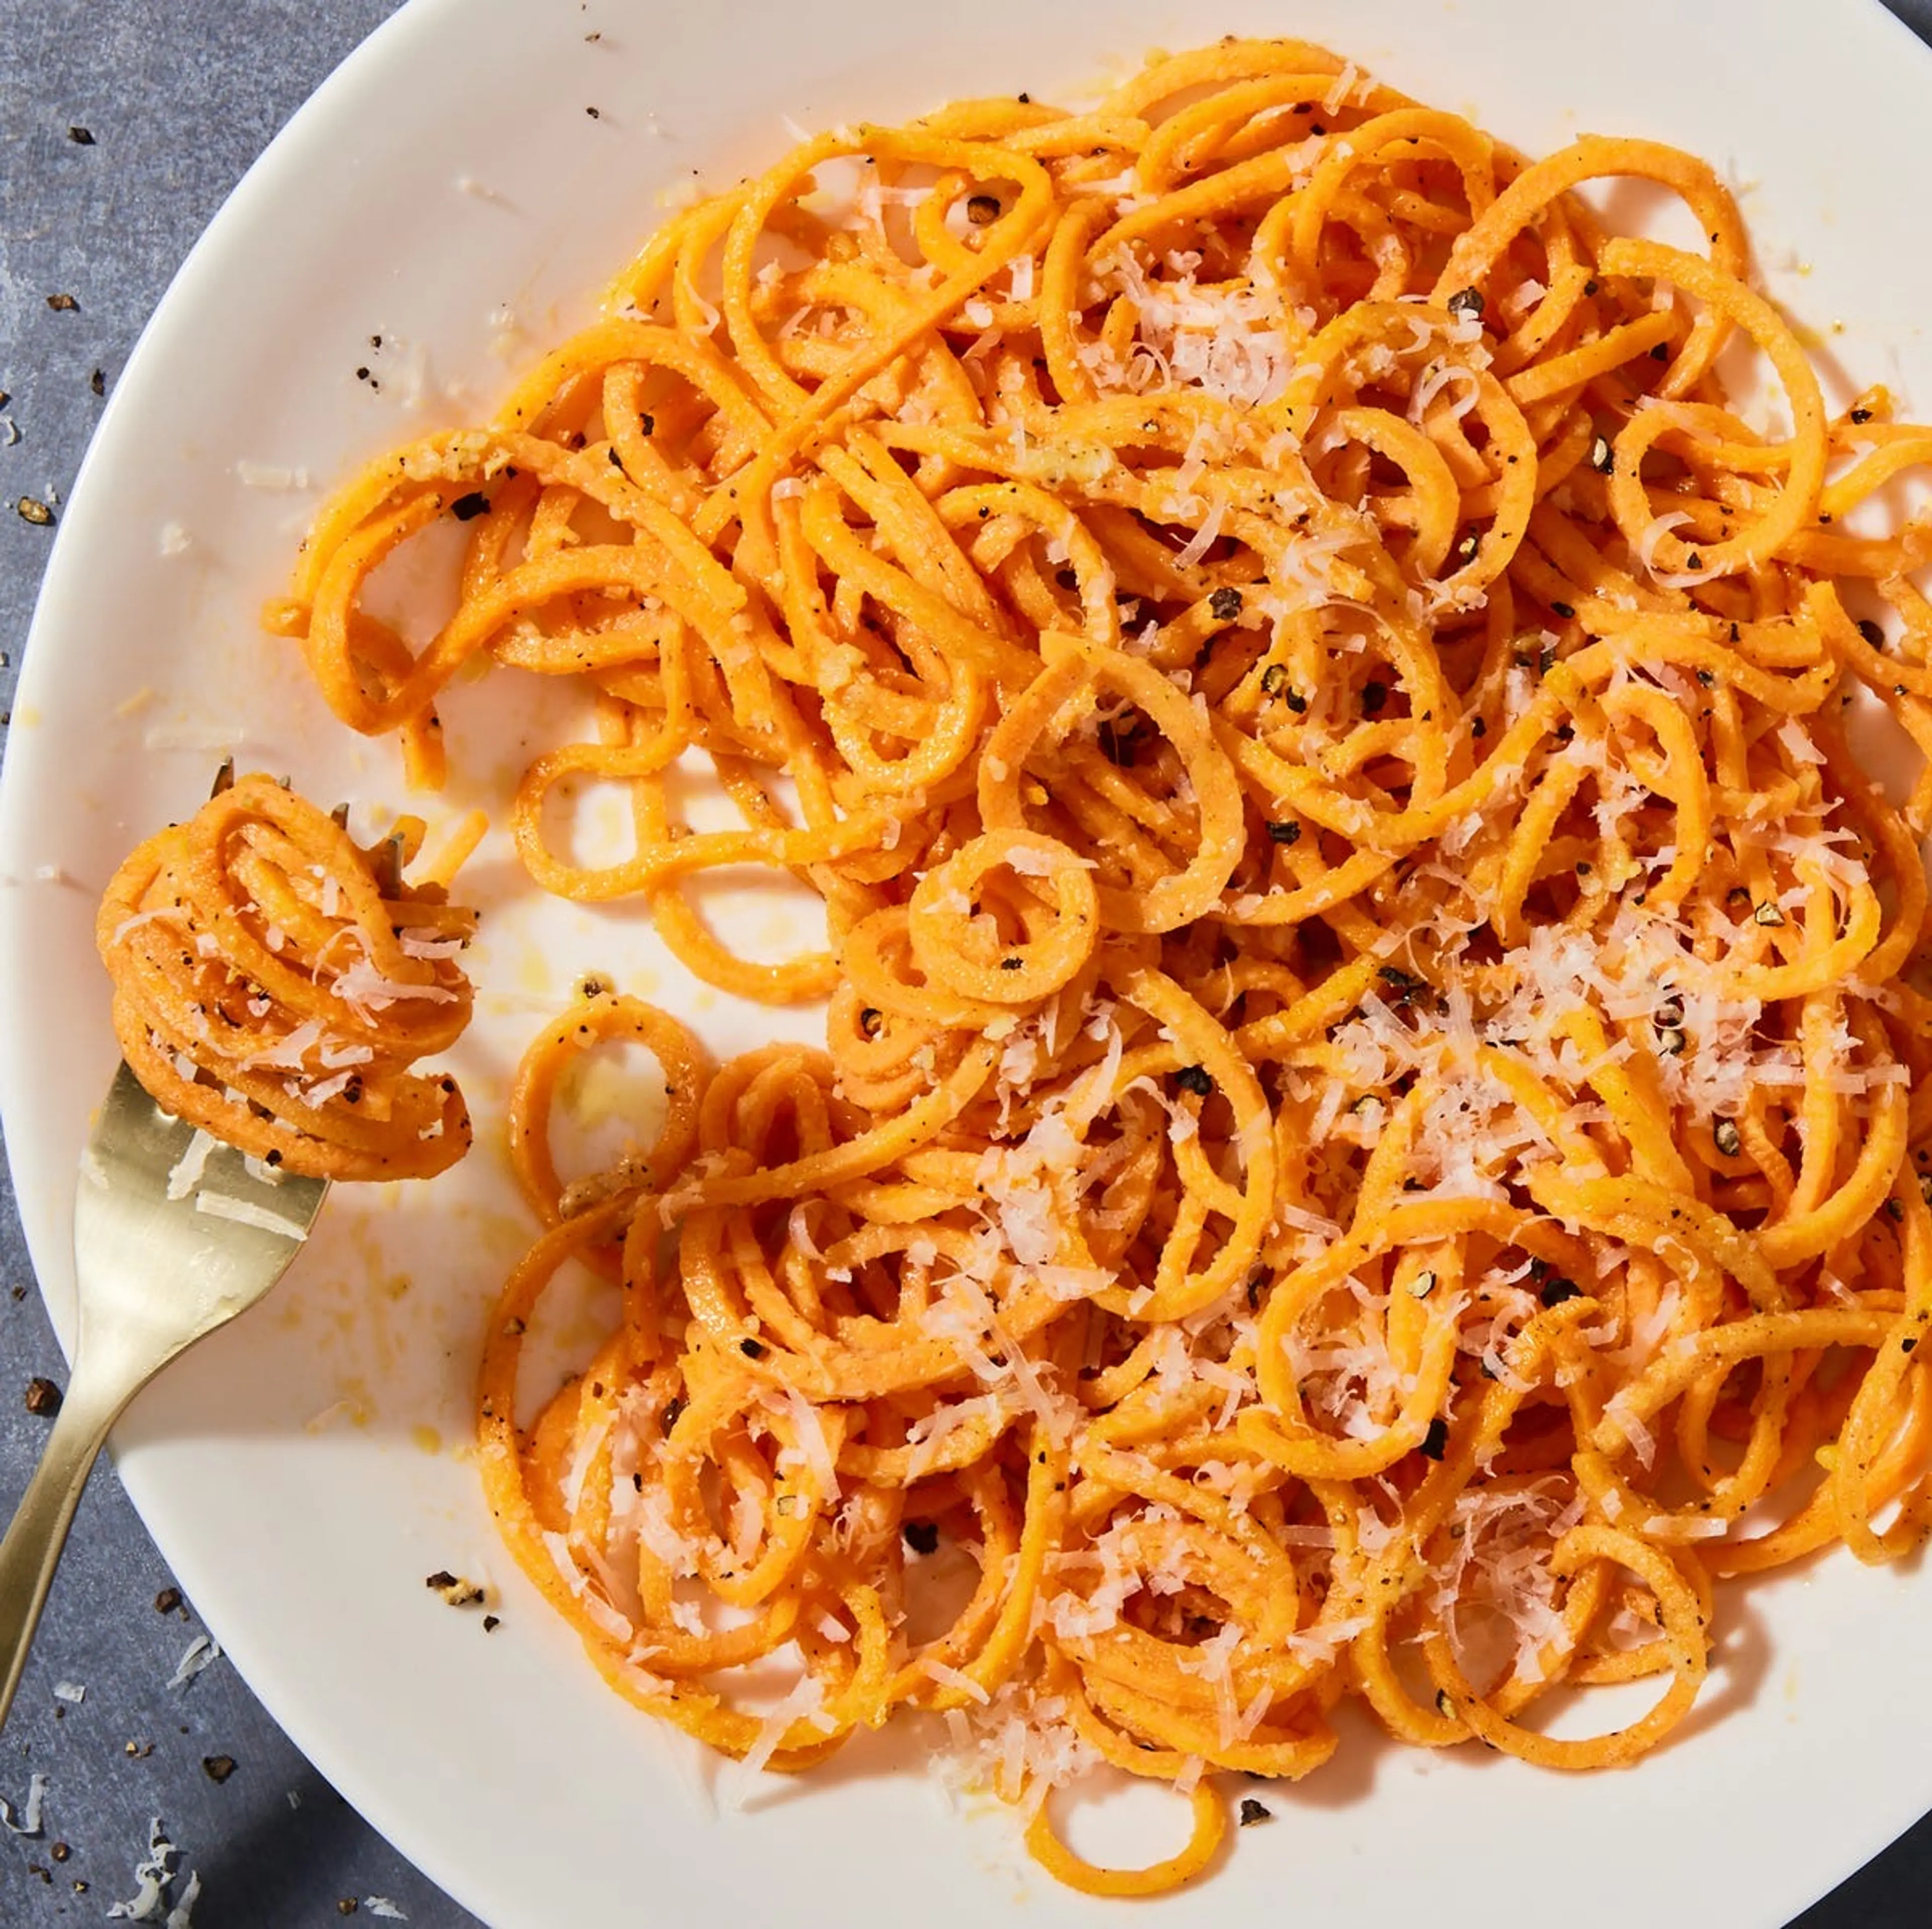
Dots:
pixel 32 1547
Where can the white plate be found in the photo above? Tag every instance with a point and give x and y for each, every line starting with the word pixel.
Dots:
pixel 303 1471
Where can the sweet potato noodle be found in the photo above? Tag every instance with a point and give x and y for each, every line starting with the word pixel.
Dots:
pixel 275 981
pixel 1369 1134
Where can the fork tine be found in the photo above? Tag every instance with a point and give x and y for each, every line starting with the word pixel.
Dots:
pixel 386 866
pixel 224 778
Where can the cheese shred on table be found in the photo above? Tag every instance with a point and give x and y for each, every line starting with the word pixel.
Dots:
pixel 1370 1133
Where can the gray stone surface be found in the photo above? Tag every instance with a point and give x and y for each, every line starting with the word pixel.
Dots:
pixel 180 96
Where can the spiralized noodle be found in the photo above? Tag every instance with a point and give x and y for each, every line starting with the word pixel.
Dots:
pixel 1369 1134
pixel 272 989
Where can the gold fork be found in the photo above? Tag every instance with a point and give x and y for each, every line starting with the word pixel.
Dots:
pixel 162 1254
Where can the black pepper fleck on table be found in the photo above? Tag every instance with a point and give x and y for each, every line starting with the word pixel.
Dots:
pixel 123 126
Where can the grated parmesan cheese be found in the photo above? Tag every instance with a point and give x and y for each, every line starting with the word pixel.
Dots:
pixel 27 1819
pixel 245 1212
pixel 154 1877
pixel 201 1654
pixel 186 1173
